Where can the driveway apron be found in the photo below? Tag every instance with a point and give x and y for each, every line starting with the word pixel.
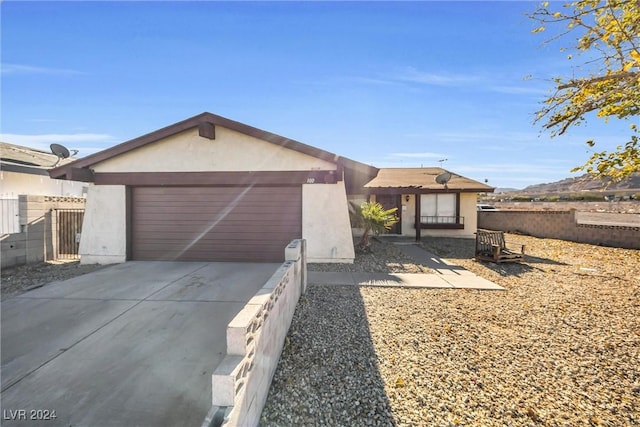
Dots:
pixel 133 344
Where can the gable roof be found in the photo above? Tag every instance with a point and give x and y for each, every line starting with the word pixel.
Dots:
pixel 206 123
pixel 17 158
pixel 424 179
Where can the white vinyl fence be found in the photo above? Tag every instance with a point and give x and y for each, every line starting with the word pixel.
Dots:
pixel 9 216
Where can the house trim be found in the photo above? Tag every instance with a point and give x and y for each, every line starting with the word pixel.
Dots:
pixel 232 179
pixel 418 191
pixel 128 206
pixel 24 169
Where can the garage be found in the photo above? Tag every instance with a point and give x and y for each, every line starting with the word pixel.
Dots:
pixel 253 223
pixel 212 189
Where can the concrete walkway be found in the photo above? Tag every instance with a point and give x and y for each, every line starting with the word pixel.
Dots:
pixel 446 276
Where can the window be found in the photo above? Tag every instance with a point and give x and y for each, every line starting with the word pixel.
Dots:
pixel 440 210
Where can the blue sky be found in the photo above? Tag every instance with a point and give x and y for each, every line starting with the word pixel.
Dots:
pixel 392 84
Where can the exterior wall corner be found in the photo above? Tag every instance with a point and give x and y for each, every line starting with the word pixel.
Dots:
pixel 325 223
pixel 104 234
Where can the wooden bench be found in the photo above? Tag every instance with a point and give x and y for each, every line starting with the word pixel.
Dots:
pixel 490 246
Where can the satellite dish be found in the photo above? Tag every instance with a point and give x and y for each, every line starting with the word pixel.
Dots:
pixel 443 178
pixel 61 151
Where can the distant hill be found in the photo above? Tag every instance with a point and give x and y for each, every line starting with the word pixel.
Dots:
pixel 505 190
pixel 582 183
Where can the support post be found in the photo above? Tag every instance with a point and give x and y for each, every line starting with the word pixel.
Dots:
pixel 418 214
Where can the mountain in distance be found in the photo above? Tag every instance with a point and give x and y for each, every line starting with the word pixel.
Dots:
pixel 578 184
pixel 506 190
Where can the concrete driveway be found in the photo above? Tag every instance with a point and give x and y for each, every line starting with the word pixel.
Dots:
pixel 132 344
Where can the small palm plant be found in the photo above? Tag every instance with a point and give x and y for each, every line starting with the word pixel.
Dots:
pixel 373 218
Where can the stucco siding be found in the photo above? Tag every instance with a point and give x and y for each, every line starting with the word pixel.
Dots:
pixel 13 184
pixel 104 227
pixel 229 151
pixel 325 223
pixel 468 210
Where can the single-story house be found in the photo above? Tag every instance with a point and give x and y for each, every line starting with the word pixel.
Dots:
pixel 430 201
pixel 24 170
pixel 210 188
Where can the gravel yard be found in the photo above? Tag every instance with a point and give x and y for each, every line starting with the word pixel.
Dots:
pixel 383 258
pixel 559 347
pixel 19 279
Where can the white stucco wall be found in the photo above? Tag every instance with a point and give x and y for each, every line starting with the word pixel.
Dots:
pixel 104 234
pixel 230 151
pixel 467 209
pixel 325 223
pixel 13 184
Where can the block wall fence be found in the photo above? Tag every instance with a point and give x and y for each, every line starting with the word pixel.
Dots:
pixel 255 338
pixel 560 225
pixel 37 240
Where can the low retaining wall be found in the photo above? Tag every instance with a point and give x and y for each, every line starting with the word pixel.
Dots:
pixel 255 338
pixel 560 225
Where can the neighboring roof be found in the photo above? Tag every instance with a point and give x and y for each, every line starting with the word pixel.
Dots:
pixel 16 158
pixel 424 178
pixel 206 123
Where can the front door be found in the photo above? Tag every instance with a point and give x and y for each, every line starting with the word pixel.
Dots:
pixel 390 201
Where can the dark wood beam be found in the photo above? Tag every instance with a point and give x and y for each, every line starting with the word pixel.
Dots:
pixel 410 190
pixel 80 174
pixel 231 179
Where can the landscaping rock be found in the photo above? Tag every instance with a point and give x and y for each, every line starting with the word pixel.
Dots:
pixel 560 347
pixel 19 279
pixel 384 257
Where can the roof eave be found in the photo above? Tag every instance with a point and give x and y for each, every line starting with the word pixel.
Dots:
pixel 439 189
pixel 63 172
pixel 31 170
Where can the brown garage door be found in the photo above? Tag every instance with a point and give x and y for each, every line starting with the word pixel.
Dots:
pixel 214 223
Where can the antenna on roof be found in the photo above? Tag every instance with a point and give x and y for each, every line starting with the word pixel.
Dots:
pixel 441 161
pixel 62 152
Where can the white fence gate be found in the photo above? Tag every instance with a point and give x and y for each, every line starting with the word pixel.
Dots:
pixel 9 216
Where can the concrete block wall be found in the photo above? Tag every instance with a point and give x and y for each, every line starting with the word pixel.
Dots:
pixel 13 249
pixel 608 235
pixel 37 240
pixel 559 225
pixel 255 338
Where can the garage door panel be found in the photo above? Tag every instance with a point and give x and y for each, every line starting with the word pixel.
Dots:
pixel 193 193
pixel 259 235
pixel 223 256
pixel 210 217
pixel 199 226
pixel 214 223
pixel 187 231
pixel 212 204
pixel 208 243
pixel 200 255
